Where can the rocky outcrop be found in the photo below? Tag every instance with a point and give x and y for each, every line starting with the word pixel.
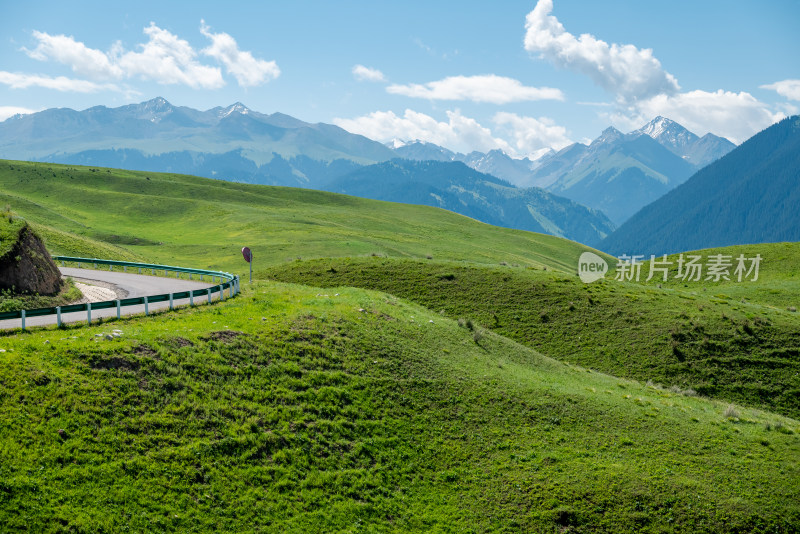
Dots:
pixel 28 267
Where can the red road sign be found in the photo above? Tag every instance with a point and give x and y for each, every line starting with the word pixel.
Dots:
pixel 246 254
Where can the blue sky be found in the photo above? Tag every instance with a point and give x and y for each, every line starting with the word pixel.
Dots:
pixel 522 76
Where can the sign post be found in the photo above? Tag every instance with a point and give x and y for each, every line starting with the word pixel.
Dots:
pixel 248 257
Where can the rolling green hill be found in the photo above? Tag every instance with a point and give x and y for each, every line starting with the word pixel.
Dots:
pixel 204 223
pixel 292 410
pixel 686 338
pixel 466 397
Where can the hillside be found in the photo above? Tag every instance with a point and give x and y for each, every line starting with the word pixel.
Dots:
pixel 204 223
pixel 454 186
pixel 694 337
pixel 748 196
pixel 288 409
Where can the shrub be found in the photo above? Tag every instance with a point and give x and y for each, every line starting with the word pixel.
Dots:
pixel 731 413
pixel 478 334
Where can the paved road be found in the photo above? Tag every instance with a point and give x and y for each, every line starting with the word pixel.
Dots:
pixel 127 285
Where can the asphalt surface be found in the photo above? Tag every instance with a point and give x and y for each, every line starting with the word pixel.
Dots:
pixel 125 285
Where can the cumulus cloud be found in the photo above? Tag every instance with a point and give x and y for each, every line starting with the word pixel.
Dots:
pixel 529 136
pixel 247 70
pixel 786 88
pixel 164 58
pixel 459 133
pixel 736 116
pixel 366 74
pixel 82 59
pixel 167 59
pixel 10 111
pixel 59 83
pixel 628 72
pixel 485 88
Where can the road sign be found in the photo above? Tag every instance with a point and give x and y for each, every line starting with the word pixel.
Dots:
pixel 248 257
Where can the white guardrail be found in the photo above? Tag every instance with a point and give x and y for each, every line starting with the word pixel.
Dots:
pixel 227 282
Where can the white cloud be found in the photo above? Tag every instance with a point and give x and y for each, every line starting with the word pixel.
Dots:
pixel 164 58
pixel 366 74
pixel 247 70
pixel 10 111
pixel 786 88
pixel 529 136
pixel 736 116
pixel 82 59
pixel 486 88
pixel 628 72
pixel 59 83
pixel 459 133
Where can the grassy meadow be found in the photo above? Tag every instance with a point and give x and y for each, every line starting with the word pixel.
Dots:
pixel 204 223
pixel 415 371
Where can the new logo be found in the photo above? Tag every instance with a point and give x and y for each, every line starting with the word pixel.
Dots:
pixel 591 267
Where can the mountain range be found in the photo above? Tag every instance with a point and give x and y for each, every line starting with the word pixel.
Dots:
pixel 231 143
pixel 616 173
pixel 748 196
pixel 456 187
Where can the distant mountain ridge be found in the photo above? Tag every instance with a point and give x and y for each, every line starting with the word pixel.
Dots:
pixel 254 147
pixel 454 186
pixel 748 196
pixel 616 173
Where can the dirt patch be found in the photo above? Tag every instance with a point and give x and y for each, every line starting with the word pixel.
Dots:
pixel 181 342
pixel 225 336
pixel 145 350
pixel 115 363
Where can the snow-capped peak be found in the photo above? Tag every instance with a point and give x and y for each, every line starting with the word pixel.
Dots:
pixel 238 107
pixel 667 131
pixel 396 143
pixel 609 135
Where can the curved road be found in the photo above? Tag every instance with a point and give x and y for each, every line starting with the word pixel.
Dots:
pixel 132 285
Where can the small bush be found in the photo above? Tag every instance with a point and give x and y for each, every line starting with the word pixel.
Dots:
pixel 731 412
pixel 478 334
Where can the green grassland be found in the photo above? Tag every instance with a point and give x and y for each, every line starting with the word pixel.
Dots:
pixel 778 283
pixel 167 218
pixel 719 347
pixel 288 409
pixel 434 374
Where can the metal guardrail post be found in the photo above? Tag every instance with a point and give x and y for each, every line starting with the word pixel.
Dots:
pixel 119 311
pixel 191 298
pixel 170 302
pixel 58 316
pixel 23 319
pixel 146 312
pixel 209 295
pixel 89 312
pixel 221 293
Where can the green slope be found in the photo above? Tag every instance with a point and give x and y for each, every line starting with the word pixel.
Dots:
pixel 292 410
pixel 204 223
pixel 688 338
